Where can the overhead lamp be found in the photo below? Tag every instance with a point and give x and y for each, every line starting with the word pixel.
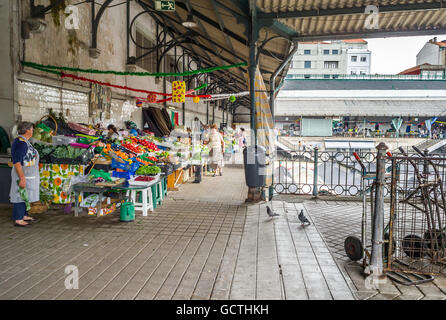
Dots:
pixel 189 23
pixel 36 25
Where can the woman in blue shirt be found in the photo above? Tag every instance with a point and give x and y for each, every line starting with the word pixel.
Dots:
pixel 24 174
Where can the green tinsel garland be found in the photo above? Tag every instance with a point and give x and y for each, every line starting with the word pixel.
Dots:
pixel 121 73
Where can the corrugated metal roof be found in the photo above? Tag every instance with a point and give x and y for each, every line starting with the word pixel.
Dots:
pixel 331 84
pixel 223 27
pixel 349 107
pixel 325 18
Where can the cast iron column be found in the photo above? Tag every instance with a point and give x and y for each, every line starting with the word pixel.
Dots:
pixel 376 263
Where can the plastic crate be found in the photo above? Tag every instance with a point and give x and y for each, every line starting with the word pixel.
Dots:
pixel 125 166
pixel 126 175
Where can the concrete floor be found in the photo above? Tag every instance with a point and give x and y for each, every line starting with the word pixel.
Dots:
pixel 202 243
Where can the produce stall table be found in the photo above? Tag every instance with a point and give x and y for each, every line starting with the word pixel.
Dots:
pixel 81 188
pixel 147 201
pixel 55 177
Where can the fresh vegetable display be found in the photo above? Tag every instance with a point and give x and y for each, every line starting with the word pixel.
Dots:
pixel 149 145
pixel 42 135
pixel 148 170
pixel 67 152
pixel 144 178
pixel 43 150
pixel 132 148
pixel 162 155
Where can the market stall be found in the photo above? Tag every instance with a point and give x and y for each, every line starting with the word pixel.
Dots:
pixel 79 165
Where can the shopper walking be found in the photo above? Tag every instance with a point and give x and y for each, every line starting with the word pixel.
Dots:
pixel 217 145
pixel 25 178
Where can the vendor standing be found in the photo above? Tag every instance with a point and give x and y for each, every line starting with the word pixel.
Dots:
pixel 24 175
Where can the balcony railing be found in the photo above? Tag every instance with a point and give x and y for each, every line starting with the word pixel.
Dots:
pixel 365 77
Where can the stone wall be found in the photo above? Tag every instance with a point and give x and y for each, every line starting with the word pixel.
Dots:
pixel 59 46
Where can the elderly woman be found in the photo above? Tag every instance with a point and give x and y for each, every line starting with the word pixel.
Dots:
pixel 25 179
pixel 217 146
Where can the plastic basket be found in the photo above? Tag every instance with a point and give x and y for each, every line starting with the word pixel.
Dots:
pixel 63 140
pixel 83 140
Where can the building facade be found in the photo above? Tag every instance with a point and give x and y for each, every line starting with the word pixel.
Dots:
pixel 433 53
pixel 359 103
pixel 330 59
pixel 28 94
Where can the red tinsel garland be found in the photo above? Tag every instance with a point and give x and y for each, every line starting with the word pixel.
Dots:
pixel 67 75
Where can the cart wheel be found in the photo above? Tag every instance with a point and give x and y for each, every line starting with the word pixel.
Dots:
pixel 353 248
pixel 439 236
pixel 414 246
pixel 386 246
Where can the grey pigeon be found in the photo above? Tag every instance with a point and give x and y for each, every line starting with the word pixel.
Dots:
pixel 303 219
pixel 271 213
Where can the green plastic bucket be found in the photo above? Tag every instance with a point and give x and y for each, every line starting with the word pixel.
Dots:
pixel 127 212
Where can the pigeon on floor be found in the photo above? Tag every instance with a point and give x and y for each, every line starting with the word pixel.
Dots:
pixel 303 219
pixel 271 213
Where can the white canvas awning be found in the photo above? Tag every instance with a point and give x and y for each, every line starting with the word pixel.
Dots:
pixel 337 144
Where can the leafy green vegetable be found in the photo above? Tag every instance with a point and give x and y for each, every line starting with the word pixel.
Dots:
pixel 148 170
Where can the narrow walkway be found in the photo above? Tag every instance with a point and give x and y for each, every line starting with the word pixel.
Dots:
pixel 202 243
pixel 338 219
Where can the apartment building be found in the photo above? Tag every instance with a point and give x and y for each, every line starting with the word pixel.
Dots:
pixel 330 59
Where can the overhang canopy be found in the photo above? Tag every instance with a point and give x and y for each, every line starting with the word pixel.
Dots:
pixel 223 27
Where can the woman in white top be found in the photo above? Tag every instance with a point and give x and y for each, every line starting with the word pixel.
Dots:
pixel 217 145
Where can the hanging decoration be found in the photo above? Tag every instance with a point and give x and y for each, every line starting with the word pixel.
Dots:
pixel 221 96
pixel 141 74
pixel 178 91
pixel 151 98
pixel 196 99
pixel 232 98
pixel 139 103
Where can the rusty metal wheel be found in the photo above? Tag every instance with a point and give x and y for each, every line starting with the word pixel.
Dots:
pixel 353 248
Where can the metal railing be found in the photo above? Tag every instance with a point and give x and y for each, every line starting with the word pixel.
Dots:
pixel 333 173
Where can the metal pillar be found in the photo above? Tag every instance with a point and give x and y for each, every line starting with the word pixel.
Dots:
pixel 183 104
pixel 376 261
pixel 315 173
pixel 272 83
pixel 253 36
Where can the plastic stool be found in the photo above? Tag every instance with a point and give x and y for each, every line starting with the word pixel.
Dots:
pixel 145 200
pixel 156 194
pixel 164 186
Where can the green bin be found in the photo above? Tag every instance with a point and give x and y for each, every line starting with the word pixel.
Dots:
pixel 127 212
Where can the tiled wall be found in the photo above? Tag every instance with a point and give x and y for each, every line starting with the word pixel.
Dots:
pixel 35 100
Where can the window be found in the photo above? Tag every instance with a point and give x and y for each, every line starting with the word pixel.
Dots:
pixel 354 58
pixel 331 64
pixel 335 76
pixel 326 76
pixel 335 51
pixel 363 59
pixel 353 72
pixel 362 72
pixel 326 51
pixel 307 51
pixel 307 64
pixel 148 62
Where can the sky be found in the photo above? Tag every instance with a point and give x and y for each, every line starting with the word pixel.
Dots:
pixel 393 55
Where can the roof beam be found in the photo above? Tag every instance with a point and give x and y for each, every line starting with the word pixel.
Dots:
pixel 226 31
pixel 347 11
pixel 370 34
